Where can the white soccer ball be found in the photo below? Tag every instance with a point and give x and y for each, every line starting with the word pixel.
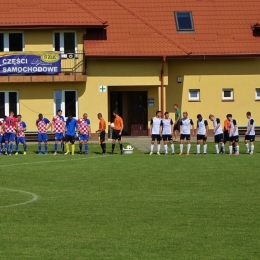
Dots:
pixel 112 125
pixel 129 147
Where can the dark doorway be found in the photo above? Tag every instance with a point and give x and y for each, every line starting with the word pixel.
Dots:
pixel 132 106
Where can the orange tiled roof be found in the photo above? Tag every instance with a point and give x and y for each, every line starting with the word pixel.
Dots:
pixel 47 13
pixel 147 28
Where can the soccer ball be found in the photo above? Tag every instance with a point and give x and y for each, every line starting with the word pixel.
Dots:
pixel 129 147
pixel 112 125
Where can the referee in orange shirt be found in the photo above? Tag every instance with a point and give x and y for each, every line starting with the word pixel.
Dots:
pixel 102 133
pixel 117 131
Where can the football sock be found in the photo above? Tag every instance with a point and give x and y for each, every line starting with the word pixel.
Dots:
pixel 158 148
pixel 121 146
pixel 181 147
pixel 152 146
pixel 6 146
pixel 165 148
pixel 230 148
pixel 188 148
pixel 67 148
pixel 55 147
pixel 0 148
pixel 46 148
pixel 25 147
pixel 237 148
pixel 104 148
pixel 217 150
pixel 113 147
pixel 247 146
pixel 80 147
pixel 39 147
pixel 11 147
pixel 223 147
pixel 62 147
pixel 172 147
pixel 72 148
pixel 252 148
pixel 86 147
pixel 198 148
pixel 205 148
pixel 16 148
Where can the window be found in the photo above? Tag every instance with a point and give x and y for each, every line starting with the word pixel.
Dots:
pixel 184 21
pixel 15 42
pixel 11 41
pixel 67 101
pixel 65 42
pixel 194 94
pixel 257 94
pixel 1 42
pixel 9 101
pixel 227 94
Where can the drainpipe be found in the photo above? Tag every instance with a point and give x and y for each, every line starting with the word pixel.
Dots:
pixel 162 85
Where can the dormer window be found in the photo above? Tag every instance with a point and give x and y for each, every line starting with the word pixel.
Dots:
pixel 184 21
pixel 256 30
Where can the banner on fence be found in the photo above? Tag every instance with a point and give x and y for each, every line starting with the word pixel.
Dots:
pixel 30 63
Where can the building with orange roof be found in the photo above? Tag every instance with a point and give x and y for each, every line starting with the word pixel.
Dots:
pixel 136 56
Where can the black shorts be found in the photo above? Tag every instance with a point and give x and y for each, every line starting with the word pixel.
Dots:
pixel 250 138
pixel 219 138
pixel 234 139
pixel 185 136
pixel 70 138
pixel 201 137
pixel 102 136
pixel 226 136
pixel 177 126
pixel 116 135
pixel 167 138
pixel 157 137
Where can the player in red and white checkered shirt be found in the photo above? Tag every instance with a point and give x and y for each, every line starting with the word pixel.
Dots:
pixel 58 123
pixel 20 134
pixel 42 124
pixel 10 126
pixel 85 134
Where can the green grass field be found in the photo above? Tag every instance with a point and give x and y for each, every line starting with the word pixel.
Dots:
pixel 130 206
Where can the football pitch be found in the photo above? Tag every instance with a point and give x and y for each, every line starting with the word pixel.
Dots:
pixel 130 206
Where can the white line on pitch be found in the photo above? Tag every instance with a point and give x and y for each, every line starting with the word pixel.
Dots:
pixel 33 195
pixel 53 161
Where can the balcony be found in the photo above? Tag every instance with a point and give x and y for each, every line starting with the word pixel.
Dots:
pixel 72 68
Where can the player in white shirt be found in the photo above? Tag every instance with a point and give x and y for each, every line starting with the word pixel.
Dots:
pixel 167 132
pixel 218 133
pixel 185 125
pixel 233 135
pixel 250 133
pixel 202 133
pixel 155 127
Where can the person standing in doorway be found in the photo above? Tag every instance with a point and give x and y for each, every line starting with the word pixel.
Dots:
pixel 177 122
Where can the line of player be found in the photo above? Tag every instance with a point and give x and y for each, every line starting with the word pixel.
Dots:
pixel 162 129
pixel 12 131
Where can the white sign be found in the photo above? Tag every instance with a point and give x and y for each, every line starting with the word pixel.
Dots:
pixel 102 88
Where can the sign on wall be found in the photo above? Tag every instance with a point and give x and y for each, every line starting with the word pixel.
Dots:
pixel 30 63
pixel 150 102
pixel 102 88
